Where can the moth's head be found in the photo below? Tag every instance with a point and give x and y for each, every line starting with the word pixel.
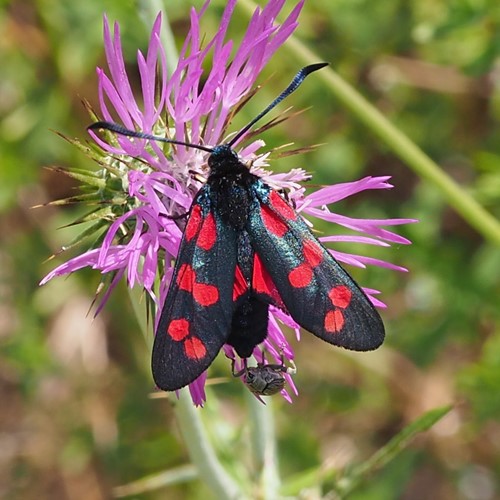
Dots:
pixel 223 159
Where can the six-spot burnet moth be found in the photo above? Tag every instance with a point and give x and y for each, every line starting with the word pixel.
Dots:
pixel 243 248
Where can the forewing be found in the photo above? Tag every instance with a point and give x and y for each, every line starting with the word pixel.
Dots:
pixel 196 318
pixel 315 290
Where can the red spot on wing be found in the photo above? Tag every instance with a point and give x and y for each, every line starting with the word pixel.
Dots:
pixel 340 296
pixel 334 321
pixel 186 278
pixel 205 295
pixel 281 206
pixel 208 233
pixel 193 224
pixel 301 276
pixel 178 329
pixel 273 222
pixel 240 285
pixel 262 282
pixel 313 253
pixel 195 349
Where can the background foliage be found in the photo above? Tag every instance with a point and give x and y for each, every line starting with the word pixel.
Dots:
pixel 76 419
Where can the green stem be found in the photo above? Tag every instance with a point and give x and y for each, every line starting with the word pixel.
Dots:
pixel 200 450
pixel 172 477
pixel 464 204
pixel 148 10
pixel 264 445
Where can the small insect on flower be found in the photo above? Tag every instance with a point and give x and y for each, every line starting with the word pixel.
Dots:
pixel 265 379
pixel 245 248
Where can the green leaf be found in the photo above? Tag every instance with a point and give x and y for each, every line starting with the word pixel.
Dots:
pixel 178 475
pixel 391 450
pixel 348 482
pixel 91 231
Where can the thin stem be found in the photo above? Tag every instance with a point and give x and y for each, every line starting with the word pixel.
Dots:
pixel 264 445
pixel 137 299
pixel 479 218
pixel 172 477
pixel 389 451
pixel 148 10
pixel 201 451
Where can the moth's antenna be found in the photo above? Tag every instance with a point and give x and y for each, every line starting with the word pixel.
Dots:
pixel 294 85
pixel 114 127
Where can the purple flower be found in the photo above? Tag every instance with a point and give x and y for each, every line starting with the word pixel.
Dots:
pixel 141 231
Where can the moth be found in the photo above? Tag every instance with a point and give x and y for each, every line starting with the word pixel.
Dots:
pixel 245 248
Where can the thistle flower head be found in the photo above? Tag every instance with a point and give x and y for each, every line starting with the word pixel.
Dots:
pixel 143 189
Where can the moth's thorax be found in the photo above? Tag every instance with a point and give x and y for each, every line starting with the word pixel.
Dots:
pixel 230 181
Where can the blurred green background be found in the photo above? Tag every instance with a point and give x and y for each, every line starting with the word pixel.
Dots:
pixel 76 419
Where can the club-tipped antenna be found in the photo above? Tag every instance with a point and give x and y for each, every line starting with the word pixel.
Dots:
pixel 114 127
pixel 294 85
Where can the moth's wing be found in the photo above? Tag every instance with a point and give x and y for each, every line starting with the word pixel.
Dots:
pixel 315 290
pixel 196 318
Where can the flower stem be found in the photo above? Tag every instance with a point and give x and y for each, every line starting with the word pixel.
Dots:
pixel 264 445
pixel 200 450
pixel 457 197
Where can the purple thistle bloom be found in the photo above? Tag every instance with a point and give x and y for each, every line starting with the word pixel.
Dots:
pixel 143 239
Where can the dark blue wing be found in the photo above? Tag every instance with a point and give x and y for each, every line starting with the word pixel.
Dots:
pixel 196 318
pixel 319 295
